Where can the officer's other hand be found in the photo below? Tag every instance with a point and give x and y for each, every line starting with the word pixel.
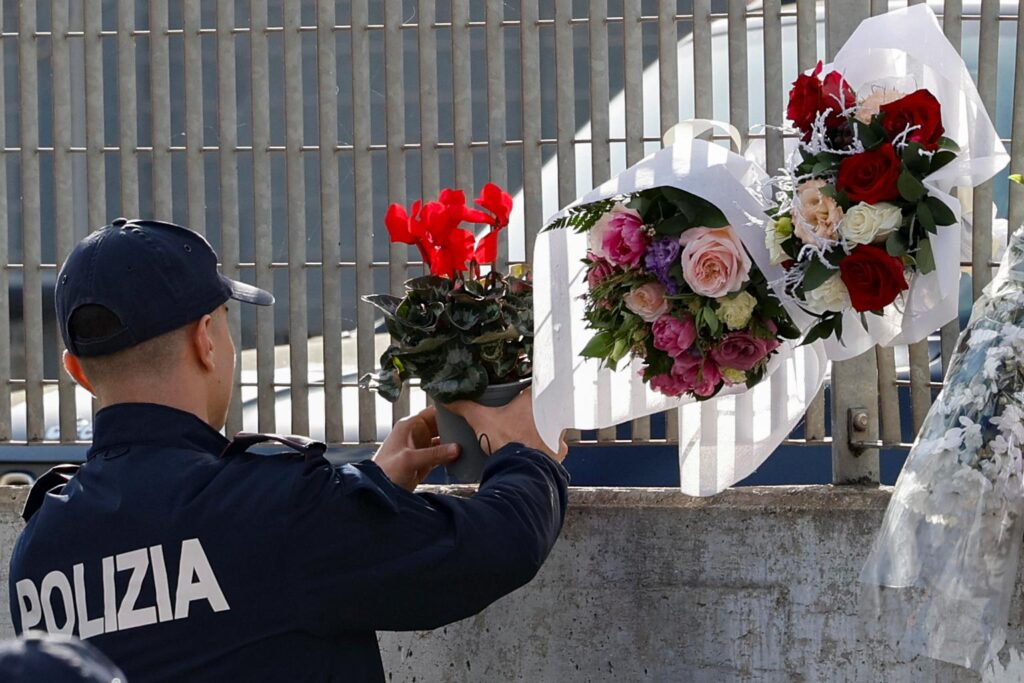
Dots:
pixel 412 450
pixel 512 423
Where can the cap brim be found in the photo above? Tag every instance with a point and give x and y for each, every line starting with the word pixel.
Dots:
pixel 247 293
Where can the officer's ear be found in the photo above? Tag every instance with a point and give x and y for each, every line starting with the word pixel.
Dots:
pixel 74 368
pixel 201 340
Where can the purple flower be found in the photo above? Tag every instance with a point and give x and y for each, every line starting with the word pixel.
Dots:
pixel 660 257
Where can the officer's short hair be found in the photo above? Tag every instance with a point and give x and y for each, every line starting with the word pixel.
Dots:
pixel 92 322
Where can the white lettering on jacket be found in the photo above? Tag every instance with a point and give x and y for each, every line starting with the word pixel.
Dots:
pixel 60 604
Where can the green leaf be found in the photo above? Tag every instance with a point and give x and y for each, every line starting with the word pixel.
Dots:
pixel 711 319
pixel 1017 178
pixel 424 346
pixel 431 284
pixel 914 160
pixel 940 159
pixel 943 214
pixel 925 217
pixel 456 383
pixel 816 274
pixel 710 217
pixel 673 226
pixel 822 330
pixel 924 256
pixel 948 144
pixel 619 351
pixel 909 186
pixel 868 135
pixel 896 244
pixel 599 346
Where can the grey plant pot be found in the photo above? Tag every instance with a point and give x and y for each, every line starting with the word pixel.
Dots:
pixel 453 429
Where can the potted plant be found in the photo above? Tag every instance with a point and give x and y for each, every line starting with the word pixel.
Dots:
pixel 464 334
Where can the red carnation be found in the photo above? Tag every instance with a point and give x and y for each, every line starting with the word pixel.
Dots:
pixel 873 277
pixel 870 176
pixel 918 110
pixel 811 95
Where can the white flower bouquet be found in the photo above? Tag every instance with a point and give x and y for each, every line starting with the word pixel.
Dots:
pixel 951 539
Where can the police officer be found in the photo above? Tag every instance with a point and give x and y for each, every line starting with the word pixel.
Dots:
pixel 184 557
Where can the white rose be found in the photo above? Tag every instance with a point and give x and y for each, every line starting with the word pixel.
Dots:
pixel 831 296
pixel 775 234
pixel 867 223
pixel 595 236
pixel 735 311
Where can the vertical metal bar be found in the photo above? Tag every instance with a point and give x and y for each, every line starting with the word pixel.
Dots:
pixel 497 131
pixel 160 94
pixel 1016 213
pixel 530 49
pixel 330 211
pixel 462 97
pixel 773 87
pixel 854 381
pixel 632 38
pixel 427 37
pixel 888 394
pixel 739 102
pixel 5 303
pixel 227 122
pixel 127 118
pixel 920 376
pixel 262 216
pixel 806 34
pixel 703 85
pixel 395 106
pixel 194 171
pixel 988 69
pixel 565 102
pixel 94 118
pixel 362 169
pixel 880 6
pixel 668 65
pixel 298 328
pixel 31 227
pixel 600 155
pixel 63 194
pixel 952 25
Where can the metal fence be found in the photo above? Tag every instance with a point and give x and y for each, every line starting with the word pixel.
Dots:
pixel 282 129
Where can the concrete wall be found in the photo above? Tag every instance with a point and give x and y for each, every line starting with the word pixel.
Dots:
pixel 650 585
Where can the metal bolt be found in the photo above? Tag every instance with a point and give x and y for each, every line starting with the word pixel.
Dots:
pixel 859 420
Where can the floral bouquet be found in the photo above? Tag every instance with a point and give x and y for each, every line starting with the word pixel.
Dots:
pixel 865 221
pixel 671 283
pixel 951 538
pixel 855 219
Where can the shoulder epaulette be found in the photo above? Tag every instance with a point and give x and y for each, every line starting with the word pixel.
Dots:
pixel 243 441
pixel 51 482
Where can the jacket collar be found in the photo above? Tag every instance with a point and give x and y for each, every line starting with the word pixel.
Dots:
pixel 128 424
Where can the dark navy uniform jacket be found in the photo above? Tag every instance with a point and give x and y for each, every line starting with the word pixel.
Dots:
pixel 184 564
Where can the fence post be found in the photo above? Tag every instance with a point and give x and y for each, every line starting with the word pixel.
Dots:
pixel 855 381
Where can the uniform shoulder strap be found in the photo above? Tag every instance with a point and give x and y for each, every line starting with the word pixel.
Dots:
pixel 51 482
pixel 243 441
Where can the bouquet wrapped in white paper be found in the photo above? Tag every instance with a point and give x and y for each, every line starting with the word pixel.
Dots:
pixel 866 223
pixel 951 539
pixel 586 300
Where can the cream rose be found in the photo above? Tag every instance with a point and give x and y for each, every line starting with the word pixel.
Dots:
pixel 714 261
pixel 775 234
pixel 647 301
pixel 872 104
pixel 815 216
pixel 735 311
pixel 868 223
pixel 830 296
pixel 595 236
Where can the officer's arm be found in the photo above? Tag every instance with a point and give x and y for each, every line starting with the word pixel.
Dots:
pixel 366 554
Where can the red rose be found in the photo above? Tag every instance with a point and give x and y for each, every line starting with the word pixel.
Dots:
pixel 873 277
pixel 870 176
pixel 811 95
pixel 919 109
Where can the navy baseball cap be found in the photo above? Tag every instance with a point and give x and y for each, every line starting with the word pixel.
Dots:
pixel 154 277
pixel 42 657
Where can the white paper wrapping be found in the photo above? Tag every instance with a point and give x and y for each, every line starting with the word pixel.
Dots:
pixel 722 440
pixel 908 49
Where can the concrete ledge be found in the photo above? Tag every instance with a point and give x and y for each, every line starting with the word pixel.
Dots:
pixel 755 584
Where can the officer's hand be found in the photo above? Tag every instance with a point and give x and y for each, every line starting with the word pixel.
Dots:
pixel 412 450
pixel 512 423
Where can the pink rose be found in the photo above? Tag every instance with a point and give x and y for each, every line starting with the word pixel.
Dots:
pixel 647 301
pixel 714 261
pixel 698 373
pixel 669 385
pixel 674 335
pixel 815 216
pixel 624 242
pixel 600 270
pixel 742 350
